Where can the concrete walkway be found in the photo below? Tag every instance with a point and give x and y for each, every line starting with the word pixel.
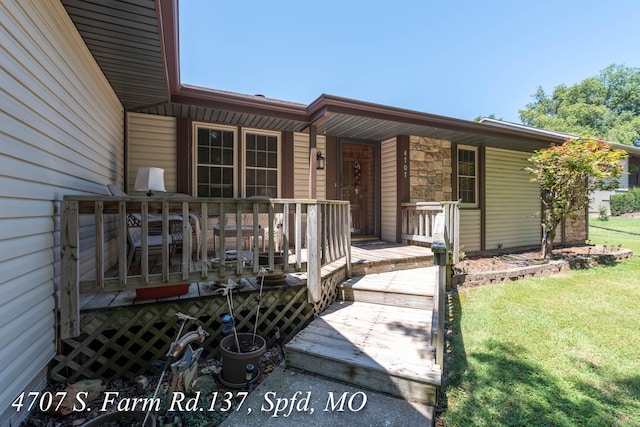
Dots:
pixel 318 403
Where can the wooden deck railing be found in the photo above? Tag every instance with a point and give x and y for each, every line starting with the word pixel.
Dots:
pixel 418 223
pixel 96 242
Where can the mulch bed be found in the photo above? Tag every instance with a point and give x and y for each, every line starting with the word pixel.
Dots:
pixel 496 268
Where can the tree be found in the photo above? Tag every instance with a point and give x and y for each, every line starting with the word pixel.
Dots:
pixel 490 116
pixel 607 106
pixel 568 174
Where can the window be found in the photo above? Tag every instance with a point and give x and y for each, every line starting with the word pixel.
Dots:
pixel 261 164
pixel 215 162
pixel 468 176
pixel 218 169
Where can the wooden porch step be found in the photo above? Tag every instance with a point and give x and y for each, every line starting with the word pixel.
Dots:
pixel 403 288
pixel 380 257
pixel 383 348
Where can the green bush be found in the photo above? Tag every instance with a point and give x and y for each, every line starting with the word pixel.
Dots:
pixel 625 202
pixel 603 215
pixel 636 198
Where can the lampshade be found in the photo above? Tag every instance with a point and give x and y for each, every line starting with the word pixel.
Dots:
pixel 150 179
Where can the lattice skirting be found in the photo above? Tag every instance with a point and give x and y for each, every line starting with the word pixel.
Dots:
pixel 122 342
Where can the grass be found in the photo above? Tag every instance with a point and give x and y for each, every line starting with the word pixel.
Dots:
pixel 550 351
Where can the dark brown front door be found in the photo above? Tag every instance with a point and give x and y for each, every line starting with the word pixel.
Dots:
pixel 359 186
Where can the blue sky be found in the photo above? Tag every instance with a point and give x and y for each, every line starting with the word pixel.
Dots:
pixel 459 58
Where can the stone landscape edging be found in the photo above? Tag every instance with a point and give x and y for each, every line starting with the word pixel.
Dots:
pixel 551 267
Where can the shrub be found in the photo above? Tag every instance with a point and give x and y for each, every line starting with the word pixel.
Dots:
pixel 603 215
pixel 636 198
pixel 625 202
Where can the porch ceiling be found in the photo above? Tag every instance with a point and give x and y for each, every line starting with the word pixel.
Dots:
pixel 366 128
pixel 124 38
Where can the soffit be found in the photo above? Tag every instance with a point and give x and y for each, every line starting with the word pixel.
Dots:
pixel 354 119
pixel 227 116
pixel 124 38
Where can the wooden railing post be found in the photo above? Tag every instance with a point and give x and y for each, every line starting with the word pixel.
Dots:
pixel 347 235
pixel 440 257
pixel 314 224
pixel 69 274
pixel 99 219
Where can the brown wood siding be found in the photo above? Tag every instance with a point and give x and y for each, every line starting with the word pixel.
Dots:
pixel 184 157
pixel 332 167
pixel 287 174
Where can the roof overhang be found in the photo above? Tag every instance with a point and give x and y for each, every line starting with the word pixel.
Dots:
pixel 350 118
pixel 554 136
pixel 133 43
pixel 217 106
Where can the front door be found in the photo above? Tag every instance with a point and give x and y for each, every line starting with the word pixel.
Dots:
pixel 359 187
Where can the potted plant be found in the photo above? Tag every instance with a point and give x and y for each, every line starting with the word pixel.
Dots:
pixel 279 258
pixel 241 352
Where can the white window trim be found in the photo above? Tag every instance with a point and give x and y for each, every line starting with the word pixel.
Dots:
pixel 278 136
pixel 476 187
pixel 213 126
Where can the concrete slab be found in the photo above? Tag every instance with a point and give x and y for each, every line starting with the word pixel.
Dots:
pixel 322 402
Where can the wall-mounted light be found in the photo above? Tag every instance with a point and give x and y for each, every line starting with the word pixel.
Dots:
pixel 149 180
pixel 320 160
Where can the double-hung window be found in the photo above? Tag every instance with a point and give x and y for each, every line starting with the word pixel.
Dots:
pixel 261 161
pixel 223 162
pixel 468 176
pixel 215 161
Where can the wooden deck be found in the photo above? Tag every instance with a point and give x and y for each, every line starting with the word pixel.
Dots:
pixel 378 256
pixel 383 344
pixel 370 256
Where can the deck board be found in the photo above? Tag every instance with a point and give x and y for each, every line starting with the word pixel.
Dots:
pixel 416 281
pixel 379 336
pixel 362 329
pixel 361 253
pixel 372 345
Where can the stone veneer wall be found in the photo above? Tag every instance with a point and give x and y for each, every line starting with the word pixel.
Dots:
pixel 575 229
pixel 430 169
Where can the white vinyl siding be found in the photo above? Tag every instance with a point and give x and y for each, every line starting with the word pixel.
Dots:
pixel 512 200
pixel 301 167
pixel 151 141
pixel 470 230
pixel 62 133
pixel 389 181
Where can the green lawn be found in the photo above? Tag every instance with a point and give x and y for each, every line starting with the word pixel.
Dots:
pixel 554 351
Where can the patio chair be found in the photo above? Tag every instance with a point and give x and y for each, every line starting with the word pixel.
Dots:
pixel 154 236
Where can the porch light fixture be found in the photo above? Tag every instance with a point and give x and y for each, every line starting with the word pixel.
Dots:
pixel 320 161
pixel 150 179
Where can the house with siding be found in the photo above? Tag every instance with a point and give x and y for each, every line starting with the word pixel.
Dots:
pixel 91 91
pixel 630 165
